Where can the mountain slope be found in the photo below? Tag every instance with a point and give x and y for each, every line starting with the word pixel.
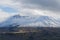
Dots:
pixel 45 21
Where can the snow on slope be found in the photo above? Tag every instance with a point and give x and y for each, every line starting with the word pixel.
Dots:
pixel 45 21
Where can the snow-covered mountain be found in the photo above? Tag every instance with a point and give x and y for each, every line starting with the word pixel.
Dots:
pixel 45 21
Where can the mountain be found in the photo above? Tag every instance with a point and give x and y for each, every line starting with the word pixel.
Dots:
pixel 44 21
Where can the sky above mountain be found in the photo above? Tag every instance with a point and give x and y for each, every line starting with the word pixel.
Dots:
pixel 29 7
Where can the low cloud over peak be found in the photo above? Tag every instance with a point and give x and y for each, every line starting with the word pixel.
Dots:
pixel 32 7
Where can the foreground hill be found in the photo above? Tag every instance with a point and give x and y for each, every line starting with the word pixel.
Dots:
pixel 32 33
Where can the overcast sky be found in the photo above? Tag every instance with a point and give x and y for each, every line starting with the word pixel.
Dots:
pixel 29 7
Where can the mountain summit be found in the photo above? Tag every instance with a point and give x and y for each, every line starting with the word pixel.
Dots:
pixel 44 21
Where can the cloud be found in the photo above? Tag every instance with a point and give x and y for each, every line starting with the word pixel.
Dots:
pixel 3 15
pixel 7 8
pixel 29 8
pixel 9 3
pixel 42 4
pixel 44 7
pixel 31 12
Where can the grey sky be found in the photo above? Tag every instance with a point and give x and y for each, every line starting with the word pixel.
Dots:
pixel 30 8
pixel 52 5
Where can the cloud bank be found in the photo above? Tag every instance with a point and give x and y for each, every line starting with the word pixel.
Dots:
pixel 40 7
pixel 29 8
